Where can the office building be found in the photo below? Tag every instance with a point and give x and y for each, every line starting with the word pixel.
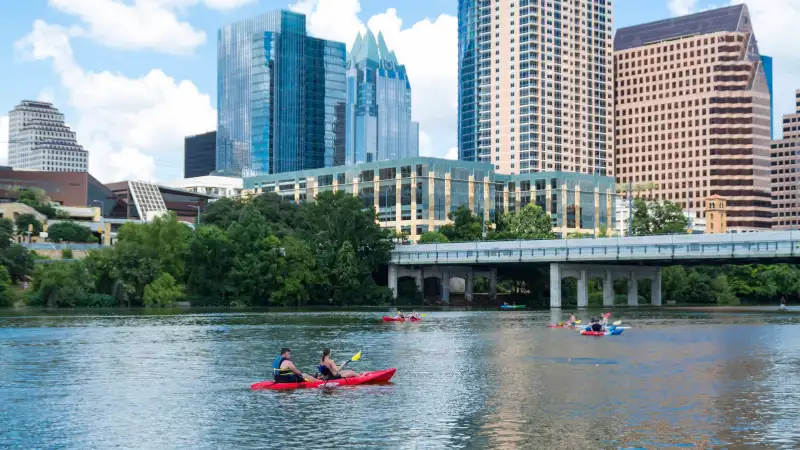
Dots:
pixel 40 140
pixel 766 61
pixel 141 200
pixel 199 154
pixel 692 114
pixel 210 185
pixel 416 195
pixel 69 189
pixel 535 85
pixel 281 96
pixel 379 125
pixel 785 171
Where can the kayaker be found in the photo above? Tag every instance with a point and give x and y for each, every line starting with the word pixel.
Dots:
pixel 596 325
pixel 415 315
pixel 605 318
pixel 783 303
pixel 571 321
pixel 329 370
pixel 284 370
pixel 400 314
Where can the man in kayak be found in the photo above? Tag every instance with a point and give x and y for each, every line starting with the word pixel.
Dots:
pixel 783 304
pixel 400 314
pixel 596 325
pixel 284 370
pixel 329 370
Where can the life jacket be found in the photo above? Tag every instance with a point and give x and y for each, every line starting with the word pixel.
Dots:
pixel 276 367
pixel 325 371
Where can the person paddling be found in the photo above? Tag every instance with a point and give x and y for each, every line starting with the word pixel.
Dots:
pixel 400 314
pixel 571 321
pixel 329 370
pixel 415 315
pixel 783 303
pixel 284 370
pixel 596 325
pixel 605 319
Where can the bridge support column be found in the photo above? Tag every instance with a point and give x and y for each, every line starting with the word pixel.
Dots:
pixel 633 289
pixel 445 280
pixel 555 285
pixel 656 289
pixel 419 280
pixel 470 285
pixel 393 280
pixel 493 284
pixel 608 290
pixel 583 290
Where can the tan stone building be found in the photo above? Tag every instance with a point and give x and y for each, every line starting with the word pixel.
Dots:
pixel 716 215
pixel 784 172
pixel 693 113
pixel 535 85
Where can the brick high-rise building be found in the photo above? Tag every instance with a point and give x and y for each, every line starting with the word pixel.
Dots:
pixel 692 113
pixel 785 172
pixel 535 85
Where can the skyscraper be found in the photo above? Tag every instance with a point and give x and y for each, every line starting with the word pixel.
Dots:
pixel 280 96
pixel 199 154
pixel 40 140
pixel 692 109
pixel 535 87
pixel 784 172
pixel 379 125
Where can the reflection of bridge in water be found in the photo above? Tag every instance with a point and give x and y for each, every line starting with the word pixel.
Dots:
pixel 631 259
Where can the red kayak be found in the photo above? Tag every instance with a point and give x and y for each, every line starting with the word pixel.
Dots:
pixel 379 376
pixel 399 319
pixel 560 326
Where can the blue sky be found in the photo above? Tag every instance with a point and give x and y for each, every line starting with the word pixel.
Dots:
pixel 133 79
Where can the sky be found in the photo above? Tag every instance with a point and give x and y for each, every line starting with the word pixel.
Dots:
pixel 134 77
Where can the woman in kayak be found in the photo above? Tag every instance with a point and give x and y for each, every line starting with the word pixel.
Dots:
pixel 571 321
pixel 329 370
pixel 605 318
pixel 284 370
pixel 415 315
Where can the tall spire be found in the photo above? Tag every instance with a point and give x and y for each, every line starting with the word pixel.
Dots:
pixel 384 49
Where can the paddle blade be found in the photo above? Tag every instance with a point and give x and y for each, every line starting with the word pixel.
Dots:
pixel 617 323
pixel 577 322
pixel 356 357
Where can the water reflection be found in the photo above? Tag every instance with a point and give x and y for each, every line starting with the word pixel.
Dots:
pixel 464 380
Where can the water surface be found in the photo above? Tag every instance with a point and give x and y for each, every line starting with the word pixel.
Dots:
pixel 464 380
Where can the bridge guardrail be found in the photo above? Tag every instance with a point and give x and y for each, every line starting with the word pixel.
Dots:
pixel 652 248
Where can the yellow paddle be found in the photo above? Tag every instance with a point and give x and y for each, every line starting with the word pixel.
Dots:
pixel 617 323
pixel 355 357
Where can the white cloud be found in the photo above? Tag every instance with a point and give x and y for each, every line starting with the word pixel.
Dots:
pixel 124 123
pixel 142 24
pixel 681 7
pixel 429 50
pixel 46 95
pixel 452 153
pixel 3 139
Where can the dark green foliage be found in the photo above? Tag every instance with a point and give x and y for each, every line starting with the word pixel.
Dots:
pixel 24 220
pixel 432 237
pixel 7 297
pixel 531 222
pixel 164 291
pixel 18 261
pixel 658 218
pixel 61 285
pixel 466 226
pixel 70 232
pixel 66 253
pixel 38 200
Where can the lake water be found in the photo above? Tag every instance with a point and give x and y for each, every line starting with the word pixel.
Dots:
pixel 464 380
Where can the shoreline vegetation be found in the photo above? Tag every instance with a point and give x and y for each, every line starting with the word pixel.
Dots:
pixel 267 252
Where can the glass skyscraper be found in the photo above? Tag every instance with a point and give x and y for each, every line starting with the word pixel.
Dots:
pixel 281 97
pixel 379 125
pixel 535 88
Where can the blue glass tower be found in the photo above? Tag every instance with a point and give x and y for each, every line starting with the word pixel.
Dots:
pixel 766 61
pixel 379 125
pixel 280 96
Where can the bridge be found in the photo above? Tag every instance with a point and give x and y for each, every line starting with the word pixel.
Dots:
pixel 630 258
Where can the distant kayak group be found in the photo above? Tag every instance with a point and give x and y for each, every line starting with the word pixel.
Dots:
pixel 596 327
pixel 402 317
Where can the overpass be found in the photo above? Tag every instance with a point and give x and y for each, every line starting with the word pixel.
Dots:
pixel 630 258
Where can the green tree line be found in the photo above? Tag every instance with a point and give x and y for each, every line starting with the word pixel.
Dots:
pixel 261 252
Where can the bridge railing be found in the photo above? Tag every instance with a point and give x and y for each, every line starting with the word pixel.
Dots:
pixel 654 248
pixel 59 246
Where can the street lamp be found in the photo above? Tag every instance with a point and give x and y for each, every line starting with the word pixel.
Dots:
pixel 197 207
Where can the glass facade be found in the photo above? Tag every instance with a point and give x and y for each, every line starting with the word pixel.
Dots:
pixel 417 194
pixel 280 95
pixel 199 155
pixel 379 123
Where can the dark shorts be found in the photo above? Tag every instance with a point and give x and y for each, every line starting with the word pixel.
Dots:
pixel 289 378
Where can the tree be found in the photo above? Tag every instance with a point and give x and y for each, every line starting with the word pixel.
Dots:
pixel 38 200
pixel 165 239
pixel 6 293
pixel 432 237
pixel 61 285
pixel 18 261
pixel 163 291
pixel 24 220
pixel 209 260
pixel 466 226
pixel 222 213
pixel 722 291
pixel 658 218
pixel 531 222
pixel 70 232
